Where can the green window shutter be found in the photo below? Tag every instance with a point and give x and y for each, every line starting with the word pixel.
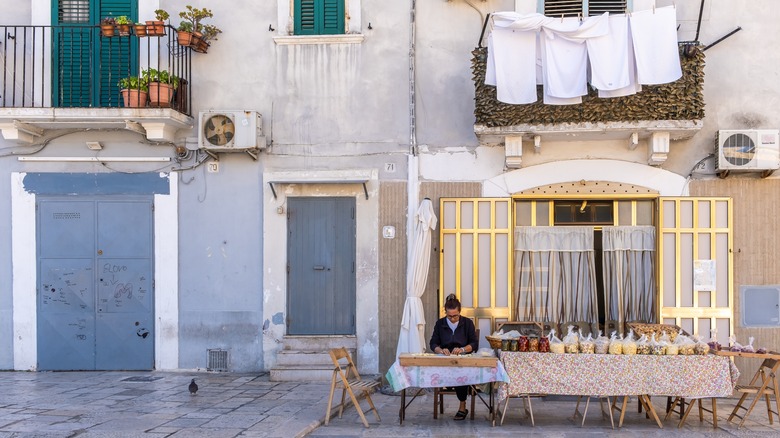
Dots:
pixel 319 17
pixel 117 57
pixel 88 66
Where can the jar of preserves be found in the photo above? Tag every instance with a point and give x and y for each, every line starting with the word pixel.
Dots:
pixel 522 343
pixel 544 344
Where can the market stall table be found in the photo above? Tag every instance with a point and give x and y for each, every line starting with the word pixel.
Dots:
pixel 690 377
pixel 435 371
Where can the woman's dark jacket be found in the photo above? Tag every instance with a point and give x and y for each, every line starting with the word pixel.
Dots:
pixel 465 334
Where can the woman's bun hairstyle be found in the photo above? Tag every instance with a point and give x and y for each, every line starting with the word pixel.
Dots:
pixel 452 302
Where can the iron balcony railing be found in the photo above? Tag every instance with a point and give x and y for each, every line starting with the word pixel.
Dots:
pixel 76 66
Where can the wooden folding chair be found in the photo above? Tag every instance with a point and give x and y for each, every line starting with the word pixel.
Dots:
pixel 346 377
pixel 679 401
pixel 768 388
pixel 605 414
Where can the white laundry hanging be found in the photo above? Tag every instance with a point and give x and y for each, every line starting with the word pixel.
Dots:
pixel 654 33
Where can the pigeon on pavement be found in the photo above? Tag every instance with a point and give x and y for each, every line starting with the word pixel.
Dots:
pixel 193 387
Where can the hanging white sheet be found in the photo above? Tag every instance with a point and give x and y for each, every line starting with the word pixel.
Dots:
pixel 654 32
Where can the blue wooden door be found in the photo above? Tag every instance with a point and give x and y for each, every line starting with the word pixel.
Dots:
pixel 321 266
pixel 95 307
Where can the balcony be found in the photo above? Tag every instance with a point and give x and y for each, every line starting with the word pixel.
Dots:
pixel 66 77
pixel 658 114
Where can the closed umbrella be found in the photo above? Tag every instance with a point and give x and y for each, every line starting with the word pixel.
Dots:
pixel 412 336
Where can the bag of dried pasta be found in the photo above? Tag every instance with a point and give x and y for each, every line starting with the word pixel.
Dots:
pixel 629 343
pixel 587 345
pixel 556 345
pixel 656 348
pixel 749 347
pixel 701 347
pixel 615 344
pixel 670 348
pixel 685 345
pixel 571 341
pixel 602 344
pixel 643 345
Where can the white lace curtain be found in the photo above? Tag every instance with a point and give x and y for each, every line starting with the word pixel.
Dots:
pixel 555 276
pixel 629 273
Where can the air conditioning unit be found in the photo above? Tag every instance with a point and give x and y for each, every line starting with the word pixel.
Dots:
pixel 230 131
pixel 753 150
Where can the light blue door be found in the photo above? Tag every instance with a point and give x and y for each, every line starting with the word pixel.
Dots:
pixel 95 303
pixel 321 266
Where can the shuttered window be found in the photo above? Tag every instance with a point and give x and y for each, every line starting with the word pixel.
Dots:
pixel 573 8
pixel 87 65
pixel 319 17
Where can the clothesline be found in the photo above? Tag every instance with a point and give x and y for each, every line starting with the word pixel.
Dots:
pixel 615 53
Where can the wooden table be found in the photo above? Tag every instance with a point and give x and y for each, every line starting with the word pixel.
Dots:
pixel 766 375
pixel 435 371
pixel 619 375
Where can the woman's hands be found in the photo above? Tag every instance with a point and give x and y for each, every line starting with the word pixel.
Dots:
pixel 446 352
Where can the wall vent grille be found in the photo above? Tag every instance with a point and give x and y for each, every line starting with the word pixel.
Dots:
pixel 218 360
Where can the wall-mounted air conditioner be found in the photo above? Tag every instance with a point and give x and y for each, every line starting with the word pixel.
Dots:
pixel 230 131
pixel 752 150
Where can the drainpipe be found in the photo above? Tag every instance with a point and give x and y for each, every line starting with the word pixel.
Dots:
pixel 413 168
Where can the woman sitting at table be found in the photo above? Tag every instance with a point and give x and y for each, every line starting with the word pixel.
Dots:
pixel 455 335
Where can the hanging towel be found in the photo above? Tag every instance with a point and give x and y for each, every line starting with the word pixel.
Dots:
pixel 654 33
pixel 609 56
pixel 512 56
pixel 565 54
pixel 514 65
pixel 633 86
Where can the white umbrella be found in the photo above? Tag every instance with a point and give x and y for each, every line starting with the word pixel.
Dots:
pixel 412 337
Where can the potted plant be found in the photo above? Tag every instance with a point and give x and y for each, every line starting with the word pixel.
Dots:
pixel 210 33
pixel 134 91
pixel 157 27
pixel 161 86
pixel 140 29
pixel 107 26
pixel 193 18
pixel 184 33
pixel 123 24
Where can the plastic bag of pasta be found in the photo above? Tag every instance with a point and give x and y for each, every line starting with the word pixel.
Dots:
pixel 556 345
pixel 670 348
pixel 734 345
pixel 749 347
pixel 656 348
pixel 629 344
pixel 701 347
pixel 643 345
pixel 587 345
pixel 713 342
pixel 571 341
pixel 685 345
pixel 602 344
pixel 615 344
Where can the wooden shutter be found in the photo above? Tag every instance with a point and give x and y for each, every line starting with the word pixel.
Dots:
pixel 574 8
pixel 117 56
pixel 87 66
pixel 319 17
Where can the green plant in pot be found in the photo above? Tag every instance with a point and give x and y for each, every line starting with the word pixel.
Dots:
pixel 157 27
pixel 194 17
pixel 107 26
pixel 134 92
pixel 161 86
pixel 184 33
pixel 123 24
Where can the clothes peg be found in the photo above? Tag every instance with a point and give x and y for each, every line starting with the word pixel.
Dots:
pixel 561 18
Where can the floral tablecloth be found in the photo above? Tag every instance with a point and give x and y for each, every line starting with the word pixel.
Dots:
pixel 402 377
pixel 608 375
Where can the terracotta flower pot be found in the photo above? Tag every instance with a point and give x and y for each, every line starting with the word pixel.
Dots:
pixel 140 29
pixel 134 98
pixel 184 38
pixel 160 94
pixel 107 30
pixel 124 29
pixel 155 28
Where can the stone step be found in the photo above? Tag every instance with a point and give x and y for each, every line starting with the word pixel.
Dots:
pixel 319 343
pixel 292 373
pixel 296 357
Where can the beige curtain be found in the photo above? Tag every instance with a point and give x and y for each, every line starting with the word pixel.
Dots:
pixel 629 273
pixel 555 277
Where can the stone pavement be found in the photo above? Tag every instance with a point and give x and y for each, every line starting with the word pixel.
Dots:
pixel 157 404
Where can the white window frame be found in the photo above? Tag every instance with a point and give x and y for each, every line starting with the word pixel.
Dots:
pixel 531 6
pixel 285 34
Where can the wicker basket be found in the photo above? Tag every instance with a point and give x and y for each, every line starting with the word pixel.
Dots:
pixel 640 329
pixel 494 341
